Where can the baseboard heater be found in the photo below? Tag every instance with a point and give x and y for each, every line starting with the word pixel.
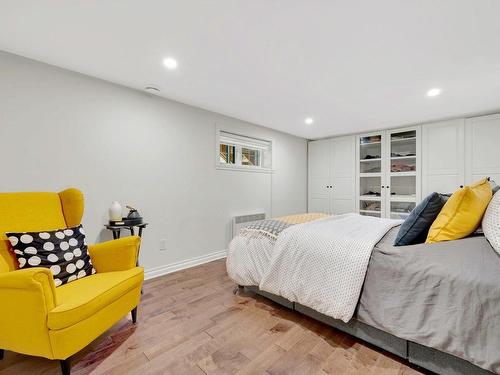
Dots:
pixel 242 220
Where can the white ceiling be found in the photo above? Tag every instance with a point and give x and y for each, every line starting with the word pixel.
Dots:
pixel 352 65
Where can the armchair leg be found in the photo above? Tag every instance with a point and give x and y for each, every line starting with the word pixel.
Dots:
pixel 1 354
pixel 65 366
pixel 134 315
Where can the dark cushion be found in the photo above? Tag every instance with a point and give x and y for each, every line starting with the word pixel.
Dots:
pixel 63 251
pixel 416 226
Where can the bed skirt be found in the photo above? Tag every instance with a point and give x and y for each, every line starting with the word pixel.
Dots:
pixel 420 355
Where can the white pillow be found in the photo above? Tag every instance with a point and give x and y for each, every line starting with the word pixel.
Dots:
pixel 491 222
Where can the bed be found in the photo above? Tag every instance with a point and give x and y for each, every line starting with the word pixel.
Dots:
pixel 436 305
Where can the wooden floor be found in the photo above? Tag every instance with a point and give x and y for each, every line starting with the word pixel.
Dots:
pixel 190 322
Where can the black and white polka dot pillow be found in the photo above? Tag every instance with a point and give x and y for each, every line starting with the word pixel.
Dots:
pixel 63 251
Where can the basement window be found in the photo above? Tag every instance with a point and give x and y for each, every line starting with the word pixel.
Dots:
pixel 227 154
pixel 236 151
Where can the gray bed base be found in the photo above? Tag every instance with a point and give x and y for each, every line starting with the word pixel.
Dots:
pixel 419 355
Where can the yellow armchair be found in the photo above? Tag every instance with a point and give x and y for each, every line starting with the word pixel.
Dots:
pixel 36 318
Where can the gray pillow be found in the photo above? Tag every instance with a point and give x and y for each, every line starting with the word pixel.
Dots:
pixel 415 228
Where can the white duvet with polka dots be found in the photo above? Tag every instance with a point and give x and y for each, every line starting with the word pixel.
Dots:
pixel 248 257
pixel 322 264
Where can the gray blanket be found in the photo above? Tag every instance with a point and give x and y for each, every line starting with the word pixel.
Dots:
pixel 445 296
pixel 269 227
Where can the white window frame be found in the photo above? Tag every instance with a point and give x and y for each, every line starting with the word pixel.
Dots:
pixel 238 166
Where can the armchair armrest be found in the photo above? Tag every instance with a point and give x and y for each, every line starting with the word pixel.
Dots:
pixel 37 281
pixel 116 255
pixel 26 297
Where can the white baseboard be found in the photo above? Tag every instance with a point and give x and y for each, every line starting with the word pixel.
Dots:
pixel 151 273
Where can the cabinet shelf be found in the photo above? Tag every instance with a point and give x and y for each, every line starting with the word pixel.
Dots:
pixel 375 174
pixel 370 211
pixel 370 143
pixel 397 140
pixel 403 198
pixel 373 198
pixel 403 157
pixel 403 174
pixel 369 160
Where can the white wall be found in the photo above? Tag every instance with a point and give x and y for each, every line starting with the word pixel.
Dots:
pixel 60 129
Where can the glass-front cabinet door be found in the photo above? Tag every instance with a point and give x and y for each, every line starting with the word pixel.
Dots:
pixel 389 172
pixel 371 150
pixel 403 184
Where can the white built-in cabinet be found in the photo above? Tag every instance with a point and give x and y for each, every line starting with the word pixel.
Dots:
pixel 482 148
pixel 459 152
pixel 388 172
pixel 332 175
pixel 443 156
pixel 319 176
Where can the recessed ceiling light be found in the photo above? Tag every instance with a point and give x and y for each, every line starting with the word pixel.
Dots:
pixel 433 92
pixel 309 120
pixel 170 63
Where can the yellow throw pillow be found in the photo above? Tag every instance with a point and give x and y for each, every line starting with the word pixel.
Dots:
pixel 462 213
